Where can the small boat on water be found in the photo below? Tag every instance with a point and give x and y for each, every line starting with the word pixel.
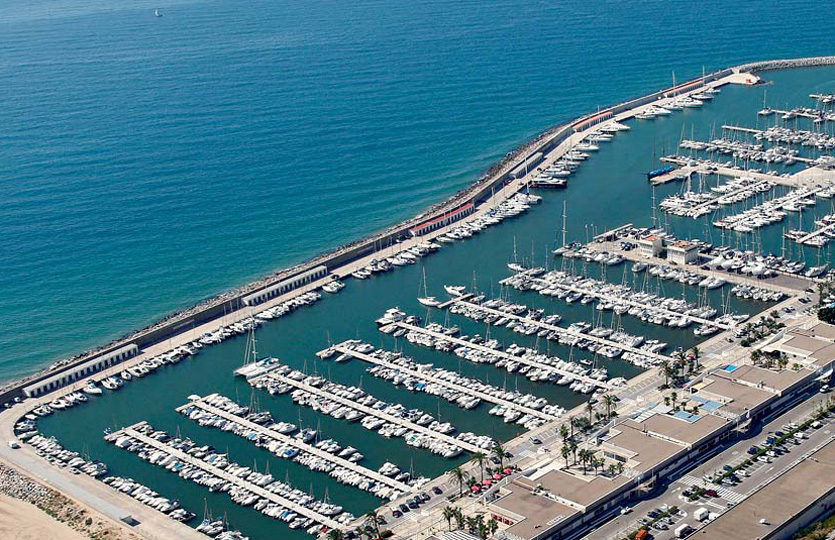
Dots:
pixel 455 290
pixel 333 287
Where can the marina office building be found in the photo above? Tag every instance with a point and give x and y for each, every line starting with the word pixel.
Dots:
pixel 552 501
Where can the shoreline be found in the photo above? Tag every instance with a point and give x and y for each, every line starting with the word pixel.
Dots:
pixel 478 192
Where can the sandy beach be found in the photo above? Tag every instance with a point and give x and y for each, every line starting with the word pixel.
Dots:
pixel 23 521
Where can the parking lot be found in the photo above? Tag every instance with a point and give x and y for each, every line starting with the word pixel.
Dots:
pixel 693 495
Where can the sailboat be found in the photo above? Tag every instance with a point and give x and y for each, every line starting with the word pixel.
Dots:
pixel 515 266
pixel 427 300
pixel 157 13
pixel 563 248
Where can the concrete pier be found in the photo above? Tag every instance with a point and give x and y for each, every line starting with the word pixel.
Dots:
pixel 791 285
pixel 300 445
pixel 659 310
pixel 517 359
pixel 817 232
pixel 220 473
pixel 373 412
pixel 452 386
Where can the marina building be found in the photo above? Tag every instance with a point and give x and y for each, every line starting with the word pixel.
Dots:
pixel 93 365
pixel 682 252
pixel 443 220
pixel 285 286
pixel 650 246
pixel 553 501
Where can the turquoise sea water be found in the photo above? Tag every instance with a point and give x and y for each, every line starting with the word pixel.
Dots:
pixel 147 163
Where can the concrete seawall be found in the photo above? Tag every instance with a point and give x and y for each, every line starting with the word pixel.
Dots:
pixel 477 193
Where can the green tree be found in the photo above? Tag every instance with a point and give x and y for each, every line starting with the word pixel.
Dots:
pixel 565 451
pixel 697 355
pixel 460 476
pixel 336 534
pixel 498 453
pixel 372 520
pixel 480 458
pixel 609 401
pixel 449 515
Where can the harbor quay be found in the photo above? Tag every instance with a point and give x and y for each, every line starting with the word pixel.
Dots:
pixel 587 441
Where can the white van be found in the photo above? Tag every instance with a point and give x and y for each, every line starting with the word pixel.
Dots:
pixel 683 530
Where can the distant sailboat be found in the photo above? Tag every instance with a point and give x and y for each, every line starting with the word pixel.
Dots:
pixel 157 13
pixel 427 300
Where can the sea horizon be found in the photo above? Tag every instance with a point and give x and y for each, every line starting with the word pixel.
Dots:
pixel 120 209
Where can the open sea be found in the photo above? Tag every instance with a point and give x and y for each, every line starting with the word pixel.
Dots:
pixel 147 163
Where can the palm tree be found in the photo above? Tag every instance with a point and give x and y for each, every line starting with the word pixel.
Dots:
pixel 590 408
pixel 620 467
pixel 573 447
pixel 665 369
pixel 498 453
pixel 460 476
pixel 575 424
pixel 449 513
pixel 479 458
pixel 696 355
pixel 472 523
pixel 492 526
pixel 565 451
pixel 584 458
pixel 459 518
pixel 613 469
pixel 563 432
pixel 609 401
pixel 373 520
pixel 336 534
pixel 572 424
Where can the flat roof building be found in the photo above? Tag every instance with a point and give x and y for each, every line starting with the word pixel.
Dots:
pixel 682 252
pixel 93 365
pixel 552 501
pixel 650 246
